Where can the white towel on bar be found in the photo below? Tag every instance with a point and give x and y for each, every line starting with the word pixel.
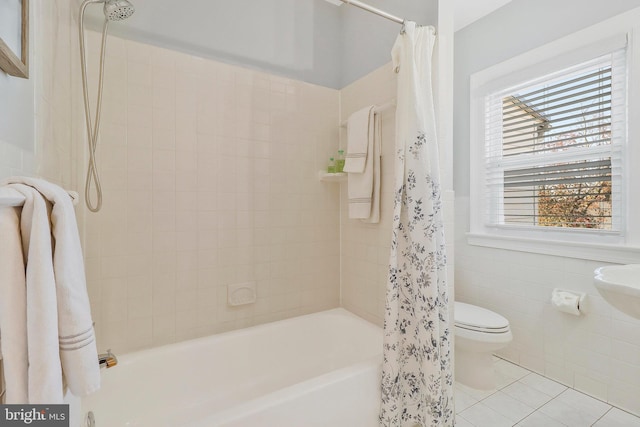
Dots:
pixel 374 216
pixel 13 308
pixel 61 341
pixel 364 188
pixel 358 135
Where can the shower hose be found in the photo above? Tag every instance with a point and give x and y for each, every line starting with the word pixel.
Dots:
pixel 93 178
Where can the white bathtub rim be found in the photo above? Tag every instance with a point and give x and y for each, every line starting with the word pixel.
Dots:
pixel 138 355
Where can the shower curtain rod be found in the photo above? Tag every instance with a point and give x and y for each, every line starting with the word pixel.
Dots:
pixel 375 10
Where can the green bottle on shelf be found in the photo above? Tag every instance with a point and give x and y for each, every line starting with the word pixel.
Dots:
pixel 332 166
pixel 340 162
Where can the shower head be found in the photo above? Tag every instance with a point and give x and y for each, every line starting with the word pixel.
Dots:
pixel 118 10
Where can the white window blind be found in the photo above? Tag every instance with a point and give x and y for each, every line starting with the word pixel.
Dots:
pixel 553 149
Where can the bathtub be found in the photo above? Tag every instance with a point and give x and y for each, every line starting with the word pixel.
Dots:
pixel 317 370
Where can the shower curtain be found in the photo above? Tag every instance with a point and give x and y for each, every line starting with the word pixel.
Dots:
pixel 417 379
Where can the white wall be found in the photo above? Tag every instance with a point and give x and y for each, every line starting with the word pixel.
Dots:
pixel 36 118
pixel 17 120
pixel 598 353
pixel 515 28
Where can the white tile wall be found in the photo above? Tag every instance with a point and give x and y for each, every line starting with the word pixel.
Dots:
pixel 210 179
pixel 598 353
pixel 365 247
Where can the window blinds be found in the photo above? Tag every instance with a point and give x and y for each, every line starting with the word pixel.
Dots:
pixel 554 148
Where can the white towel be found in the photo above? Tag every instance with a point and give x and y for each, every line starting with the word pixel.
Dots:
pixel 61 340
pixel 374 216
pixel 13 308
pixel 358 136
pixel 44 376
pixel 364 188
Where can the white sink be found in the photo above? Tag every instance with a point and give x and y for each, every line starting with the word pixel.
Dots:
pixel 619 285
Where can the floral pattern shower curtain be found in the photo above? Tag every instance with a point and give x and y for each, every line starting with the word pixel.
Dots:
pixel 417 379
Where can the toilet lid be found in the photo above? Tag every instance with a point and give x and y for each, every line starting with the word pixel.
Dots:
pixel 479 319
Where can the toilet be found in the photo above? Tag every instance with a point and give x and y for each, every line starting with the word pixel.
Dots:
pixel 478 334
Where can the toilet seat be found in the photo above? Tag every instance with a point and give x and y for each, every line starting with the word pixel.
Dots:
pixel 478 319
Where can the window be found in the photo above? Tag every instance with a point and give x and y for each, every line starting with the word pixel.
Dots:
pixel 551 149
pixel 555 147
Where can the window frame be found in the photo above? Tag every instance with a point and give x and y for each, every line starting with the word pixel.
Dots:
pixel 584 45
pixel 614 150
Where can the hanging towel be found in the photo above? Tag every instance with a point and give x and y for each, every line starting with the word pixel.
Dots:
pixel 358 139
pixel 364 188
pixel 13 308
pixel 61 341
pixel 374 213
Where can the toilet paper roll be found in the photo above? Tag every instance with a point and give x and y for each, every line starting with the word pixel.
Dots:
pixel 566 301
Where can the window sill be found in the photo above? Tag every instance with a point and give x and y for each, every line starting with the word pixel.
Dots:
pixel 590 251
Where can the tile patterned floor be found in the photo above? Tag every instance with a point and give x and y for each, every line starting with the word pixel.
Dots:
pixel 525 399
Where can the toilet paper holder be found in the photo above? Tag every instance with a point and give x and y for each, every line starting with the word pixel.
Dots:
pixel 570 302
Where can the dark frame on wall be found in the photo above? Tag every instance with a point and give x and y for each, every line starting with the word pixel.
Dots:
pixel 10 62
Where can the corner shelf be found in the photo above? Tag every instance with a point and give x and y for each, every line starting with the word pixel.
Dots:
pixel 332 177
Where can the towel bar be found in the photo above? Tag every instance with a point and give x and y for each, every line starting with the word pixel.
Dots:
pixel 378 109
pixel 10 197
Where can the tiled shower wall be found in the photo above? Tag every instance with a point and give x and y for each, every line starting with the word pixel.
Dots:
pixel 210 177
pixel 597 353
pixel 365 247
